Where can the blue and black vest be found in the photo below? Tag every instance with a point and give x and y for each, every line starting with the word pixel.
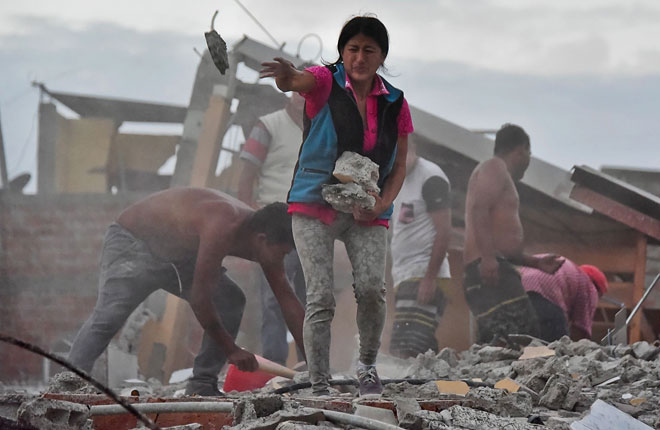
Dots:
pixel 337 128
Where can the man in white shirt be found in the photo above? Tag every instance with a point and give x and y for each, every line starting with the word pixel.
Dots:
pixel 420 270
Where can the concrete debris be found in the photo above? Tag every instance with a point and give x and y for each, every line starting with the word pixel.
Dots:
pixel 500 402
pixel 301 425
pixel 69 382
pixel 460 417
pixel 343 197
pixel 274 420
pixel 49 414
pixel 449 355
pixel 557 390
pixel 193 426
pixel 377 414
pixel 428 366
pixel 406 410
pixel 252 407
pixel 353 167
pixel 358 176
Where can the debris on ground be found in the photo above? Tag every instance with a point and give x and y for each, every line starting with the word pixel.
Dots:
pixel 574 387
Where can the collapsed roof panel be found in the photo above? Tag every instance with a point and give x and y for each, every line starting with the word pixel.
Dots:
pixel 120 110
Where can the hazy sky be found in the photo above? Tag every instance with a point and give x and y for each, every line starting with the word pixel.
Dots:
pixel 583 77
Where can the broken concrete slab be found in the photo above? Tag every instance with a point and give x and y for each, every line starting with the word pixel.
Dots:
pixel 377 414
pixel 644 351
pixel 500 402
pixel 449 355
pixel 428 366
pixel 69 382
pixel 300 425
pixel 272 421
pixel 50 414
pixel 406 409
pixel 467 418
pixel 252 407
pixel 192 426
pixel 555 391
pixel 489 354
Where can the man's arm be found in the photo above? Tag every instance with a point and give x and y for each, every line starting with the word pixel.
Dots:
pixel 548 263
pixel 213 247
pixel 487 190
pixel 436 195
pixel 252 156
pixel 392 185
pixel 292 310
pixel 442 223
pixel 249 173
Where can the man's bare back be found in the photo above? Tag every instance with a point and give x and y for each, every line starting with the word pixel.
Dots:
pixel 170 222
pixel 492 220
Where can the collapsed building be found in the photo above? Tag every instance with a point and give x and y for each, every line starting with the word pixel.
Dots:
pixel 89 170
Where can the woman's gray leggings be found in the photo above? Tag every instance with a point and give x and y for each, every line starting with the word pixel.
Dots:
pixel 366 247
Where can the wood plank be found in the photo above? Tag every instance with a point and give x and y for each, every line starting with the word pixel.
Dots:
pixel 617 211
pixel 213 127
pixel 635 328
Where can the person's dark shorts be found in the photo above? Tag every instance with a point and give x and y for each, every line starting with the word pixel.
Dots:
pixel 500 310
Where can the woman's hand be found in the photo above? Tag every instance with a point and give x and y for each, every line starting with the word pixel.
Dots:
pixel 367 215
pixel 287 77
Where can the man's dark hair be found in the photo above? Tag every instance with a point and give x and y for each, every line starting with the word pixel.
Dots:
pixel 275 222
pixel 510 137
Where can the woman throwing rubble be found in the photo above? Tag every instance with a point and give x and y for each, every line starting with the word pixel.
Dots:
pixel 349 107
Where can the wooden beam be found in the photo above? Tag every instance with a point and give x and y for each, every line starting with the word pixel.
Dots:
pixel 617 211
pixel 213 127
pixel 635 333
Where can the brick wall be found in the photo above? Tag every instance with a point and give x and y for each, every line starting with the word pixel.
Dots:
pixel 49 250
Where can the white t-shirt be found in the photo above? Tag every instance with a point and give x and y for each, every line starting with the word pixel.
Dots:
pixel 425 189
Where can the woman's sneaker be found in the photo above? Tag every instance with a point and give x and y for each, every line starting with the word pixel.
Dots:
pixel 369 381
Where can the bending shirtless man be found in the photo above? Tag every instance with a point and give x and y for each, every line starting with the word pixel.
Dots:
pixel 494 241
pixel 176 240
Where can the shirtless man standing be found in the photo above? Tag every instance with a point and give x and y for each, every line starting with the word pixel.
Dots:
pixel 494 241
pixel 176 240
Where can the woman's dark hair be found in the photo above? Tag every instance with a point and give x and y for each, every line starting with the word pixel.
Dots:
pixel 369 26
pixel 275 222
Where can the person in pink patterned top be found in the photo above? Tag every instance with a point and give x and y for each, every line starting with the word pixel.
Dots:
pixel 564 301
pixel 349 107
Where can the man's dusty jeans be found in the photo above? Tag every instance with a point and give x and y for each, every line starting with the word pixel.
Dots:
pixel 366 247
pixel 129 273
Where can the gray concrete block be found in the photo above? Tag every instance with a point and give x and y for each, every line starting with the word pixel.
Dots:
pixel 54 415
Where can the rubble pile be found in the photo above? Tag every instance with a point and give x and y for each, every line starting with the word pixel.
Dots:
pixel 486 387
